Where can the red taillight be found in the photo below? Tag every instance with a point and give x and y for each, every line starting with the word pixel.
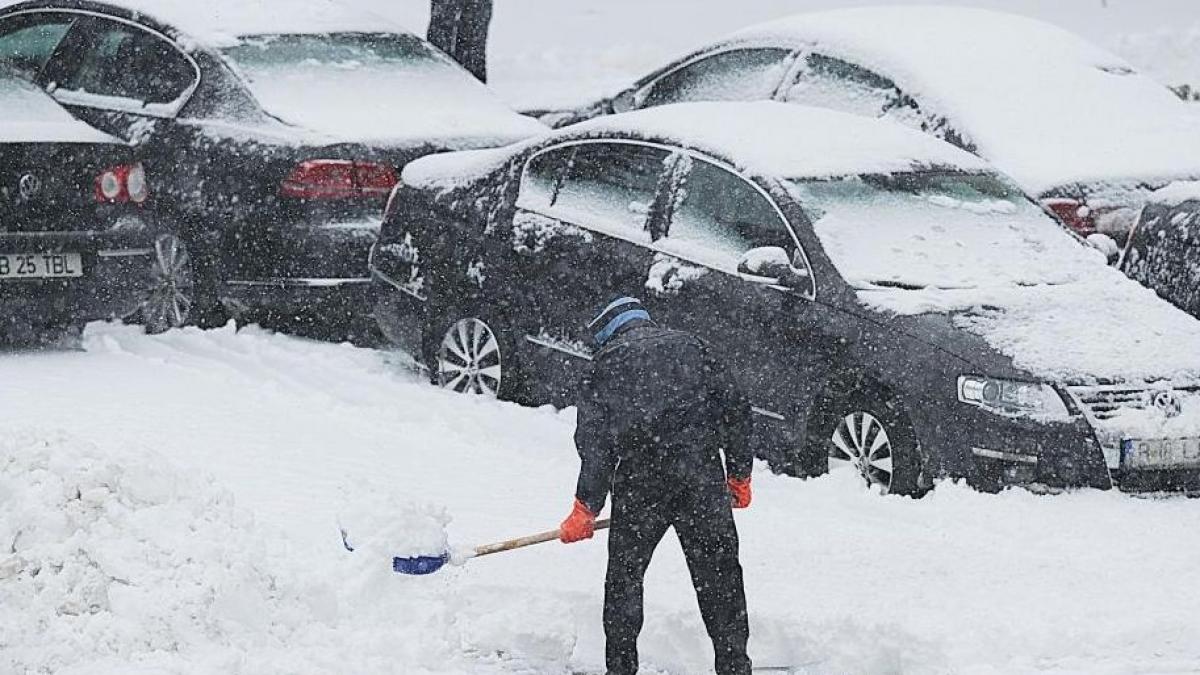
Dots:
pixel 338 179
pixel 122 185
pixel 1075 214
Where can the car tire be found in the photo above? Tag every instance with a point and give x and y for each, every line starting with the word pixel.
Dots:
pixel 866 429
pixel 472 350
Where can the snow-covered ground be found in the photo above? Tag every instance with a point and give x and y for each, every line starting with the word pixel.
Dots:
pixel 556 52
pixel 178 497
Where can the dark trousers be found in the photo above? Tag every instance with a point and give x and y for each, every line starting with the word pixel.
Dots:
pixel 703 520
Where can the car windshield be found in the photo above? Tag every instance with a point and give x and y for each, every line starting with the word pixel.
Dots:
pixel 939 230
pixel 353 81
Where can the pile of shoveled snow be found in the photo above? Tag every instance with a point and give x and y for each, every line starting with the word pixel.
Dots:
pixel 114 562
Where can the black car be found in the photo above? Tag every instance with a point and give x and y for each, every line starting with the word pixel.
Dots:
pixel 888 299
pixel 1164 249
pixel 275 133
pixel 78 240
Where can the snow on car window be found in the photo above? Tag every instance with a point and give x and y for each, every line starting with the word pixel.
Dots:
pixel 720 216
pixel 939 231
pixel 737 75
pixel 831 83
pixel 604 186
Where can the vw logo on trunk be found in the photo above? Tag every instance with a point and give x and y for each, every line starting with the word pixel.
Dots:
pixel 29 185
pixel 1168 402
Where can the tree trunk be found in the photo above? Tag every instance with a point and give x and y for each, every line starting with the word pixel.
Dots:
pixel 460 28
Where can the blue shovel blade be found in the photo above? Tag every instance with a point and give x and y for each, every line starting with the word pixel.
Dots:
pixel 422 564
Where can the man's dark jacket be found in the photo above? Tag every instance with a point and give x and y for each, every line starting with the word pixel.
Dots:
pixel 657 408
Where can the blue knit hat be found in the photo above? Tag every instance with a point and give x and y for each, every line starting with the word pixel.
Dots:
pixel 618 313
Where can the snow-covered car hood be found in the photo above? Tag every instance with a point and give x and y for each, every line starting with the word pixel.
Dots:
pixel 1045 106
pixel 30 116
pixel 1102 329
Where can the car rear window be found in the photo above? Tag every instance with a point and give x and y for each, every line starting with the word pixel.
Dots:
pixel 370 85
pixel 939 230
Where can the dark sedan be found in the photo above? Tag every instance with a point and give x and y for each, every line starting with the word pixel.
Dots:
pixel 77 238
pixel 889 301
pixel 275 133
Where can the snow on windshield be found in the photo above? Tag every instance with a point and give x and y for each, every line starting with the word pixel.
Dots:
pixel 938 230
pixel 386 86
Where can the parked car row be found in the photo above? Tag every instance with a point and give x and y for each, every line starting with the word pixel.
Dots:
pixel 888 243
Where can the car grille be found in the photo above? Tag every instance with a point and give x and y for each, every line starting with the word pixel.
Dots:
pixel 1105 402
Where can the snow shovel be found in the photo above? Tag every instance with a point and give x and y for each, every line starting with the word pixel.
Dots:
pixel 428 564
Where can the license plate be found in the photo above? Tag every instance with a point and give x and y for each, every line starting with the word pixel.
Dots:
pixel 40 265
pixel 1172 453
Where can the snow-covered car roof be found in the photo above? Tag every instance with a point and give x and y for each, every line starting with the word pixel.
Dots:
pixel 1177 193
pixel 221 22
pixel 1044 105
pixel 762 138
pixel 779 140
pixel 30 116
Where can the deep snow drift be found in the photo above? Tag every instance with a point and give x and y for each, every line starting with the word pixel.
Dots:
pixel 146 565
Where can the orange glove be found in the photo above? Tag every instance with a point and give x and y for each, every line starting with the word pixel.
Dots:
pixel 739 488
pixel 580 525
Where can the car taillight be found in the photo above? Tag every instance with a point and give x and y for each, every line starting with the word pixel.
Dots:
pixel 338 179
pixel 122 185
pixel 1075 214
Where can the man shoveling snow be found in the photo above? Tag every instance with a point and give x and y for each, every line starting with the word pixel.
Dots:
pixel 656 411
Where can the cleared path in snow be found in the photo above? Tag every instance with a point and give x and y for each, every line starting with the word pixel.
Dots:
pixel 838 578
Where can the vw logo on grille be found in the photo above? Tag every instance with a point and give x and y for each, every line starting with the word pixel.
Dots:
pixel 29 185
pixel 1168 402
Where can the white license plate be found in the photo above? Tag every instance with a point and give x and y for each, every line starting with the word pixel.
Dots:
pixel 40 265
pixel 1172 453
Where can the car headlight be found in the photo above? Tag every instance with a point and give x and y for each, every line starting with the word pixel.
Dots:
pixel 1009 397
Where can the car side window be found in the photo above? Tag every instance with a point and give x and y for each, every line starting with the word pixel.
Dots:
pixel 28 41
pixel 609 187
pixel 718 216
pixel 827 82
pixel 735 75
pixel 128 63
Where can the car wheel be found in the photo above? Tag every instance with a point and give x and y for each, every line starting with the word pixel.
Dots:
pixel 472 352
pixel 168 298
pixel 868 432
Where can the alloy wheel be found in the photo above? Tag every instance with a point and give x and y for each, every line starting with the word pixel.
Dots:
pixel 168 301
pixel 860 440
pixel 469 359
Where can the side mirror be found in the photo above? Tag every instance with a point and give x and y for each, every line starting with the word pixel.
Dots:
pixel 624 101
pixel 772 266
pixel 1106 245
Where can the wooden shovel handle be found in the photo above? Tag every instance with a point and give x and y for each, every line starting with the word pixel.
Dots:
pixel 521 542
